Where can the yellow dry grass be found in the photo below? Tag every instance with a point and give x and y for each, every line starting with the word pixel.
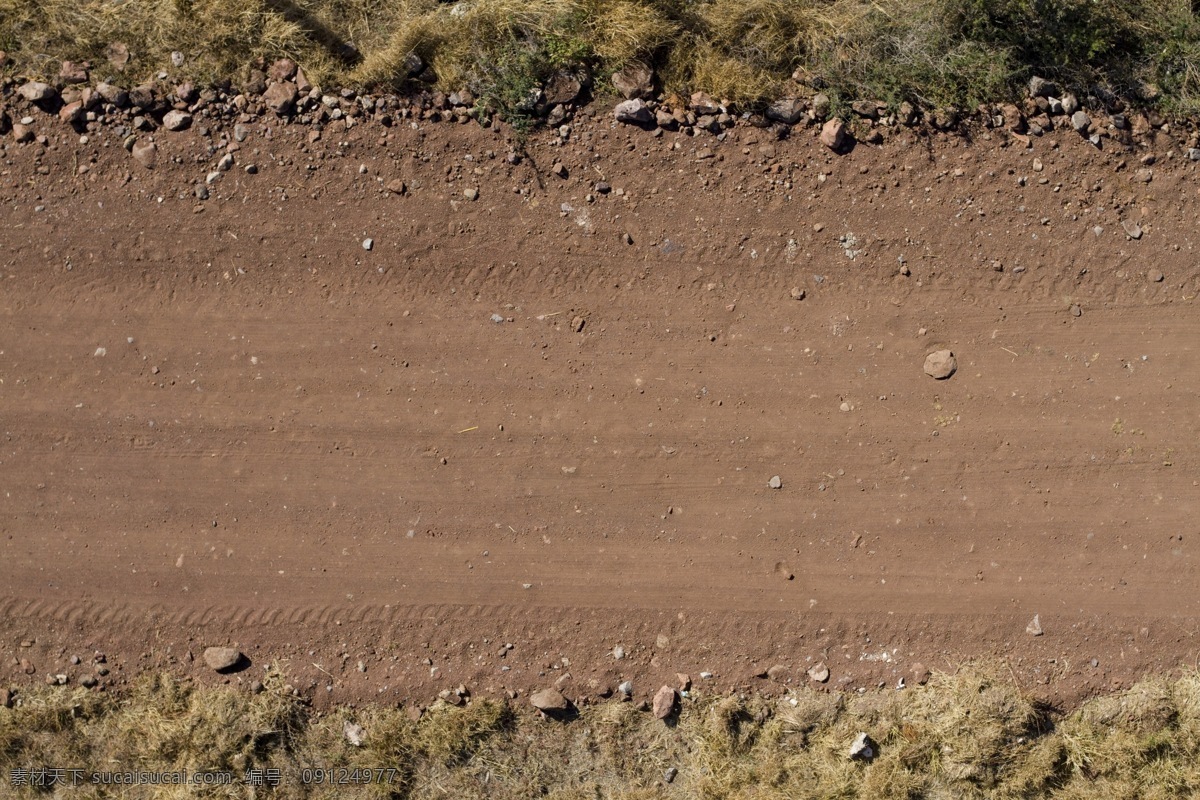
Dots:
pixel 971 734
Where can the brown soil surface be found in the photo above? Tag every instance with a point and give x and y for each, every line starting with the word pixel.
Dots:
pixel 228 422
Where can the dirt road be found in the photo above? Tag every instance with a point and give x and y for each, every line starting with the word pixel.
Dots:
pixel 229 421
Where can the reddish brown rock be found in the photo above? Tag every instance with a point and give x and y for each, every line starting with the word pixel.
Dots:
pixel 549 700
pixel 702 104
pixel 634 82
pixel 920 674
pixel 664 702
pixel 280 98
pixel 833 134
pixel 71 113
pixel 73 72
pixel 282 70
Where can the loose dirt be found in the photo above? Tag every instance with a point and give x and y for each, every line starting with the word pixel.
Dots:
pixel 227 422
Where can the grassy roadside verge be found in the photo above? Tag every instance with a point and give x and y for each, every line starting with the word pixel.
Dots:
pixel 972 734
pixel 932 53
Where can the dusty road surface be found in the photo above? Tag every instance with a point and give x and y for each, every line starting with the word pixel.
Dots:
pixel 547 421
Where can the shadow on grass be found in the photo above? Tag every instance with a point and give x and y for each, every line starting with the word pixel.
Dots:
pixel 345 52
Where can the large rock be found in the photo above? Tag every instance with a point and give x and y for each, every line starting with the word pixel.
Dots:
pixel 833 134
pixel 664 702
pixel 143 96
pixel 1081 122
pixel 818 673
pixel 821 105
pixel 255 83
pixel 1040 87
pixel 71 113
pixel 940 364
pixel 187 92
pixel 703 104
pixel 177 120
pixel 562 88
pixel 113 94
pixel 633 112
pixel 788 110
pixel 635 81
pixel 282 70
pixel 549 700
pixel 280 97
pixel 867 109
pixel 303 84
pixel 920 674
pixel 945 118
pixel 1013 118
pixel 37 92
pixel 222 659
pixel 73 72
pixel 145 153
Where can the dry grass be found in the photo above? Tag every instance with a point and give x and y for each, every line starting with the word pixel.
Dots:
pixel 967 735
pixel 933 52
pixel 218 36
